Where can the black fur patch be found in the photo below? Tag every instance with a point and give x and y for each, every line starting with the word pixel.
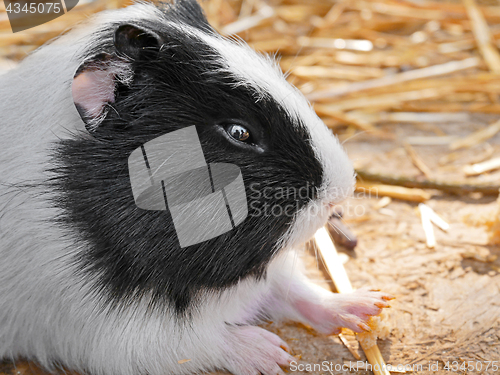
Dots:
pixel 133 252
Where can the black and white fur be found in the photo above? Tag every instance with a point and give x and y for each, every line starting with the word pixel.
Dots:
pixel 92 283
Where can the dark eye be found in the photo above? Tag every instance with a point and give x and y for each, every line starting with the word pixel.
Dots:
pixel 240 133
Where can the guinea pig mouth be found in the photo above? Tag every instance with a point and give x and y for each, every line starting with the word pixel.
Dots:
pixel 335 209
pixel 332 208
pixel 323 211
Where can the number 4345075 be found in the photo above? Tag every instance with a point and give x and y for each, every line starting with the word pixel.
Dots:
pixel 33 8
pixel 472 366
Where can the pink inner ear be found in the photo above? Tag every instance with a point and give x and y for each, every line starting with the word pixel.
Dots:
pixel 92 90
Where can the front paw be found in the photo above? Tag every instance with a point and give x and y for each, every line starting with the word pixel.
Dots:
pixel 253 350
pixel 349 310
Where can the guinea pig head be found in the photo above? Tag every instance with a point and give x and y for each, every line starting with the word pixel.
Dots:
pixel 148 77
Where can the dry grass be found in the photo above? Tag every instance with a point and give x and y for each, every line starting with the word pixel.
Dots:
pixel 351 58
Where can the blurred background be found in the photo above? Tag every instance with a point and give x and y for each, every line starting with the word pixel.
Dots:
pixel 412 89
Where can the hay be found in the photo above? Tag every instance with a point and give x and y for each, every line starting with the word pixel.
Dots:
pixel 356 58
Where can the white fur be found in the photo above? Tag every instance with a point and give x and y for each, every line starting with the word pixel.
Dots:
pixel 48 312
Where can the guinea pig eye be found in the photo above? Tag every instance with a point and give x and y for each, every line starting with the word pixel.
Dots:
pixel 240 133
pixel 246 136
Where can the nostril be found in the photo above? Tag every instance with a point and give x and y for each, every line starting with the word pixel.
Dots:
pixel 337 211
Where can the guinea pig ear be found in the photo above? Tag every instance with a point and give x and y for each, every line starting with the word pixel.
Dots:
pixel 94 87
pixel 136 43
pixel 97 79
pixel 187 11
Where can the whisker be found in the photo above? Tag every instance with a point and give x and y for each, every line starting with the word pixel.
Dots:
pixel 322 260
pixel 356 159
pixel 334 227
pixel 293 267
pixel 313 244
pixel 338 230
pixel 343 222
pixel 289 70
pixel 352 136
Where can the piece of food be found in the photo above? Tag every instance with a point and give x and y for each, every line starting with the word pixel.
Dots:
pixel 367 340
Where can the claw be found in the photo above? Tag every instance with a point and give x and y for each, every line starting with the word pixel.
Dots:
pixel 381 305
pixel 337 331
pixel 388 297
pixel 364 327
pixel 285 348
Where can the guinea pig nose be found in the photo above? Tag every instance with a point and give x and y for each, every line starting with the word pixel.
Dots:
pixel 337 211
pixel 334 205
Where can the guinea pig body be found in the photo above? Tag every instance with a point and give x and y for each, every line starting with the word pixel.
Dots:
pixel 90 281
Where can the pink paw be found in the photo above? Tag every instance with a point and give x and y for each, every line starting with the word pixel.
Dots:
pixel 349 310
pixel 253 351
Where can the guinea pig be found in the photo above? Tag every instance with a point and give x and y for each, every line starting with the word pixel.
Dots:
pixel 92 282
